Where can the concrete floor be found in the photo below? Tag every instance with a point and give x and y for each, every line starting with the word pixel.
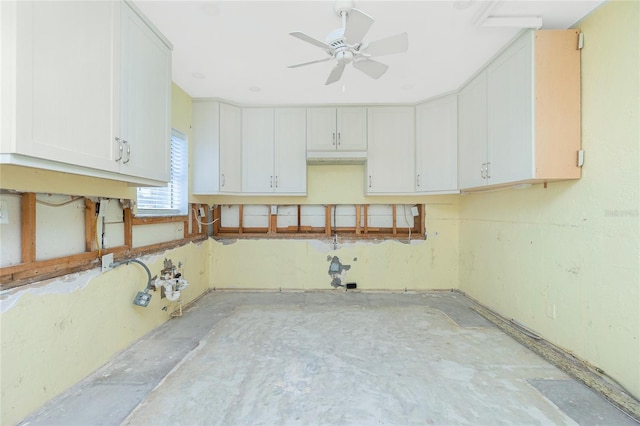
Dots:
pixel 328 358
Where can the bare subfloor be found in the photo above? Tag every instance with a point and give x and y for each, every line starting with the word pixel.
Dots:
pixel 328 358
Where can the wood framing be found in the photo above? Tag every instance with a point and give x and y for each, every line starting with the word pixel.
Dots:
pixel 30 269
pixel 359 230
pixel 28 228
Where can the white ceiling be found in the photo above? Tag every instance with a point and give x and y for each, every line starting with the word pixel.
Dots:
pixel 239 50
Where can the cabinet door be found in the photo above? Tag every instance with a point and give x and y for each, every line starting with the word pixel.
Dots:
pixel 321 129
pixel 230 148
pixel 510 113
pixel 290 150
pixel 437 145
pixel 391 150
pixel 65 82
pixel 257 150
pixel 145 88
pixel 206 147
pixel 351 128
pixel 472 133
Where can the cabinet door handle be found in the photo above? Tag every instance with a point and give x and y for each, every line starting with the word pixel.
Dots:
pixel 369 181
pixel 487 174
pixel 418 181
pixel 120 149
pixel 339 139
pixel 276 181
pixel 482 169
pixel 128 152
pixel 270 181
pixel 334 139
pixel 223 180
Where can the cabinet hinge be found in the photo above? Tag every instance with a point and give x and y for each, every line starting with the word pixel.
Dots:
pixel 581 158
pixel 580 41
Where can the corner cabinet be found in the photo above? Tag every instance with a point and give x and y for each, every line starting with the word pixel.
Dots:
pixel 437 146
pixel 274 151
pixel 216 165
pixel 519 119
pixel 86 89
pixel 391 150
pixel 336 134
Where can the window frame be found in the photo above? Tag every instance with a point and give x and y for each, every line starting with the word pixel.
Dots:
pixel 182 175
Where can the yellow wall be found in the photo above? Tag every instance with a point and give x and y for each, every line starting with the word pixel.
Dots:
pixel 378 265
pixel 564 260
pixel 56 332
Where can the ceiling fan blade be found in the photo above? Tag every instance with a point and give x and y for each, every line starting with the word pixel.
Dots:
pixel 309 39
pixel 310 62
pixel 336 73
pixel 373 69
pixel 358 24
pixel 387 46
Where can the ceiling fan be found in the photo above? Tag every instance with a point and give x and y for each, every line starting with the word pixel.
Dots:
pixel 346 44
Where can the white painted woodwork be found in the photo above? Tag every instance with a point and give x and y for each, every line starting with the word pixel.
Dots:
pixel 290 165
pixel 230 148
pixel 472 132
pixel 437 145
pixel 335 134
pixel 205 143
pixel 274 151
pixel 391 150
pixel 257 150
pixel 532 111
pixel 145 102
pixel 77 75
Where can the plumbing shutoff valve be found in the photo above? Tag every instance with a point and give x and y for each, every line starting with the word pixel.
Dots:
pixel 170 281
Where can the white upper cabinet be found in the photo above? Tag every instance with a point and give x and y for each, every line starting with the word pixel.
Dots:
pixel 145 101
pixel 78 75
pixel 290 165
pixel 230 148
pixel 273 151
pixel 437 146
pixel 257 150
pixel 472 133
pixel 205 142
pixel 216 164
pixel 337 133
pixel 391 150
pixel 527 130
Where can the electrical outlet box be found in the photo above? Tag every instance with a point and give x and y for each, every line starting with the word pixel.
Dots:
pixel 142 299
pixel 414 211
pixel 201 211
pixel 107 261
pixel 274 209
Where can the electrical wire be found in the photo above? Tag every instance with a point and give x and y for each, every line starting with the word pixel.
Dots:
pixel 406 219
pixel 64 203
pixel 146 268
pixel 98 237
pixel 195 214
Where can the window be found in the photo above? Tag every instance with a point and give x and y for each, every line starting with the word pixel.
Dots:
pixel 169 200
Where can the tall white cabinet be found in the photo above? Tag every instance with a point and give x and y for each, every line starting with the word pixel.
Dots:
pixel 90 85
pixel 230 165
pixel 391 150
pixel 274 151
pixel 437 146
pixel 519 119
